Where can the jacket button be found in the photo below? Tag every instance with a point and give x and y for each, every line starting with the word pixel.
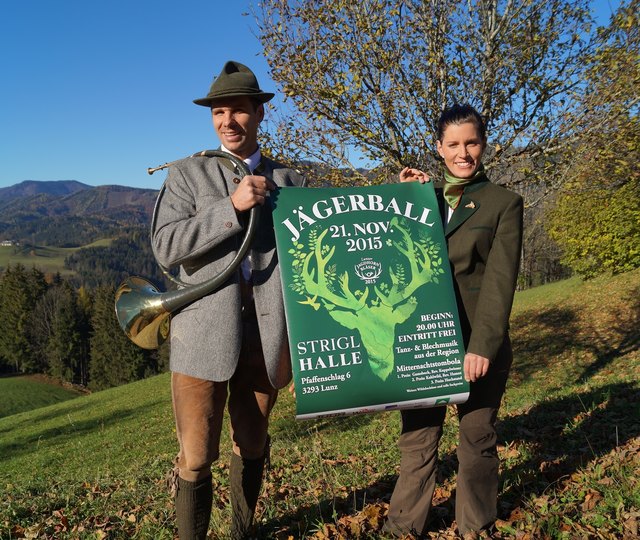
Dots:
pixel 228 224
pixel 236 180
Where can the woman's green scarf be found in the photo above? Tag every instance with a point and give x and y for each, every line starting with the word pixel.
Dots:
pixel 454 186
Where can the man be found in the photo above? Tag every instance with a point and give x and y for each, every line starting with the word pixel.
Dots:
pixel 232 343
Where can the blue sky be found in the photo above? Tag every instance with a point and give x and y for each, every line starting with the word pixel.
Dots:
pixel 99 91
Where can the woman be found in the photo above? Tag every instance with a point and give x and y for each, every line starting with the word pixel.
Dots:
pixel 483 228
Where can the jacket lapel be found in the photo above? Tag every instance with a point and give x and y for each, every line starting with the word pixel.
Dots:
pixel 467 207
pixel 442 206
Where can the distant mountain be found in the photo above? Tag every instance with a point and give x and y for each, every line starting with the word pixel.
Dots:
pixel 35 187
pixel 54 198
pixel 68 213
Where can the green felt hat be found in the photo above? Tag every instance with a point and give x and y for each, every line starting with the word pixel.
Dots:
pixel 234 80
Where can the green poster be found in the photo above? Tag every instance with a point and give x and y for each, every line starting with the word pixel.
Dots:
pixel 369 300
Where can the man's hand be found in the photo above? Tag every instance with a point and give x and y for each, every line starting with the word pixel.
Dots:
pixel 475 367
pixel 412 175
pixel 292 390
pixel 252 191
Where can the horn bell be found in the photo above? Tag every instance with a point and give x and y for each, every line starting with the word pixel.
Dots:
pixel 141 312
pixel 144 313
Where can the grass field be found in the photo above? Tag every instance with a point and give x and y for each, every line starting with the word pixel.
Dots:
pixel 20 394
pixel 93 467
pixel 47 259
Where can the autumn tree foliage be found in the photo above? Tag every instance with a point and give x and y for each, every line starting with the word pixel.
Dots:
pixel 372 77
pixel 596 218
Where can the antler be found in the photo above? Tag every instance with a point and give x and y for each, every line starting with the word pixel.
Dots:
pixel 419 276
pixel 321 286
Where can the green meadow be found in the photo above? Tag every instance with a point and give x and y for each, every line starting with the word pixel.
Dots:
pixel 94 466
pixel 45 258
pixel 19 394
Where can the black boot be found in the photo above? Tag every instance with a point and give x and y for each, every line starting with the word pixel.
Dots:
pixel 245 477
pixel 193 508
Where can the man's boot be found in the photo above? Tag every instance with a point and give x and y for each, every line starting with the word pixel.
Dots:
pixel 245 477
pixel 193 508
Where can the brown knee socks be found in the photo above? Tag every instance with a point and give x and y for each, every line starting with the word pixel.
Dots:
pixel 193 508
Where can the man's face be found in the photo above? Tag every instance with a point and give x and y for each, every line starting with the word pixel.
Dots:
pixel 236 122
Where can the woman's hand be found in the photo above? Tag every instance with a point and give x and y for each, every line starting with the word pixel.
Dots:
pixel 413 175
pixel 475 367
pixel 292 390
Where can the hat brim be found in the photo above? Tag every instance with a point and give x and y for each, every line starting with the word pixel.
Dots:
pixel 261 97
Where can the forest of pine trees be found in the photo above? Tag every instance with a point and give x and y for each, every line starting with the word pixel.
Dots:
pixel 72 334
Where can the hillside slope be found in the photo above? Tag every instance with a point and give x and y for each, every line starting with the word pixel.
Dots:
pixel 28 392
pixel 94 466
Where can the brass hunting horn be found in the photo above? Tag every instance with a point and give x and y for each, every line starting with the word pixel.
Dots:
pixel 144 312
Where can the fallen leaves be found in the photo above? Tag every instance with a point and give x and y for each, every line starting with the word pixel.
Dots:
pixel 591 499
pixel 369 519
